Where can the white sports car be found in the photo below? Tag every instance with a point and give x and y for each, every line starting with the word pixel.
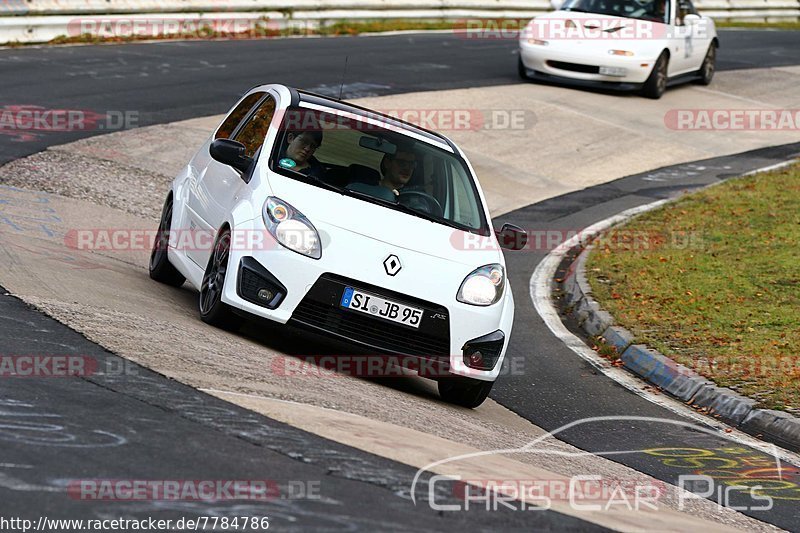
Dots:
pixel 643 45
pixel 307 210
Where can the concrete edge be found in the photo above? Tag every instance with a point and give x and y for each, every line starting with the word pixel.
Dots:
pixel 677 380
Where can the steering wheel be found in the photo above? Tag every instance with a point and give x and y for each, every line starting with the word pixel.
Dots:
pixel 421 201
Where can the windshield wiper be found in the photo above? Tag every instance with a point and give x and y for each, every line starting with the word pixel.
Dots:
pixel 427 216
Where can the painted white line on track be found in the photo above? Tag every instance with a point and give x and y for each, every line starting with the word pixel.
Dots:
pixel 540 288
pixel 736 97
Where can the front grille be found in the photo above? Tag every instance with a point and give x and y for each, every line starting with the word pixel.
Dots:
pixel 320 310
pixel 574 67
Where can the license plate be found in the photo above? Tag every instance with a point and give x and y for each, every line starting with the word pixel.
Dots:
pixel 381 307
pixel 613 71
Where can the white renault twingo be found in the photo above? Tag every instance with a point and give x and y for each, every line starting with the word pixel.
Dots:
pixel 326 215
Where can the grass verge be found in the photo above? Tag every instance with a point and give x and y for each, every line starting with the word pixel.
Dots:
pixel 271 32
pixel 713 281
pixel 777 25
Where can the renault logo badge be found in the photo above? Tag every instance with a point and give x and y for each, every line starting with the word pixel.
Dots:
pixel 392 265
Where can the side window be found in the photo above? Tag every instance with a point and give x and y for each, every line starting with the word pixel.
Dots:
pixel 254 131
pixel 237 115
pixel 685 7
pixel 464 206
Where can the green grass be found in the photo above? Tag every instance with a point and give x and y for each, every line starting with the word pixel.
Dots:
pixel 780 25
pixel 335 29
pixel 713 281
pixel 375 26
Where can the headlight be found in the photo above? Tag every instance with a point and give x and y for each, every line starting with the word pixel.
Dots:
pixel 483 287
pixel 291 228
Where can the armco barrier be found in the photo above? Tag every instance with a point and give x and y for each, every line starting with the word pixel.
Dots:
pixel 31 21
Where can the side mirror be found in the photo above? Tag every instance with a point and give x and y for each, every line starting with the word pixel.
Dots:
pixel 512 237
pixel 691 19
pixel 556 4
pixel 231 153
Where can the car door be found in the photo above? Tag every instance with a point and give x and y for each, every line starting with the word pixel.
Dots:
pixel 219 186
pixel 679 41
pixel 700 33
pixel 688 49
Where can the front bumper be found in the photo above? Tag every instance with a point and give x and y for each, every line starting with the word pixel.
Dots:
pixel 308 293
pixel 583 68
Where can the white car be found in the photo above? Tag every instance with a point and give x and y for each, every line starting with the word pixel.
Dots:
pixel 308 210
pixel 641 45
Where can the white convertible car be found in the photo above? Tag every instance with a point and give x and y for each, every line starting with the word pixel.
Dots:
pixel 307 210
pixel 643 45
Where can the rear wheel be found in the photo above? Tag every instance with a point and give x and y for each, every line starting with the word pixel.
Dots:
pixel 465 392
pixel 161 269
pixel 656 83
pixel 212 309
pixel 706 72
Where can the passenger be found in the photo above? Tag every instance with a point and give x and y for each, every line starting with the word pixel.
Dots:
pixel 298 154
pixel 397 169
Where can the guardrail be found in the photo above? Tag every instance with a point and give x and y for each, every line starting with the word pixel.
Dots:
pixel 36 21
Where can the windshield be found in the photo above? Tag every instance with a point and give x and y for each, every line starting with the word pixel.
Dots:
pixel 654 10
pixel 378 164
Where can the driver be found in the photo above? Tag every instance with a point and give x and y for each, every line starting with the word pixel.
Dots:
pixel 299 153
pixel 397 169
pixel 659 8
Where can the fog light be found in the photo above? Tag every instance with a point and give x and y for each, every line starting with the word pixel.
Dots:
pixel 483 353
pixel 257 285
pixel 266 295
pixel 476 360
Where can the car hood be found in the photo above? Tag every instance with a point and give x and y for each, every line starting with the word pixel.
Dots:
pixel 324 207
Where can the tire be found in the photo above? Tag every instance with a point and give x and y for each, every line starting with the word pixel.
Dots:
pixel 706 72
pixel 656 83
pixel 523 73
pixel 212 309
pixel 465 392
pixel 161 269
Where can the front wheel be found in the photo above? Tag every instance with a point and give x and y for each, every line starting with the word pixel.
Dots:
pixel 656 83
pixel 465 392
pixel 706 72
pixel 522 71
pixel 212 309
